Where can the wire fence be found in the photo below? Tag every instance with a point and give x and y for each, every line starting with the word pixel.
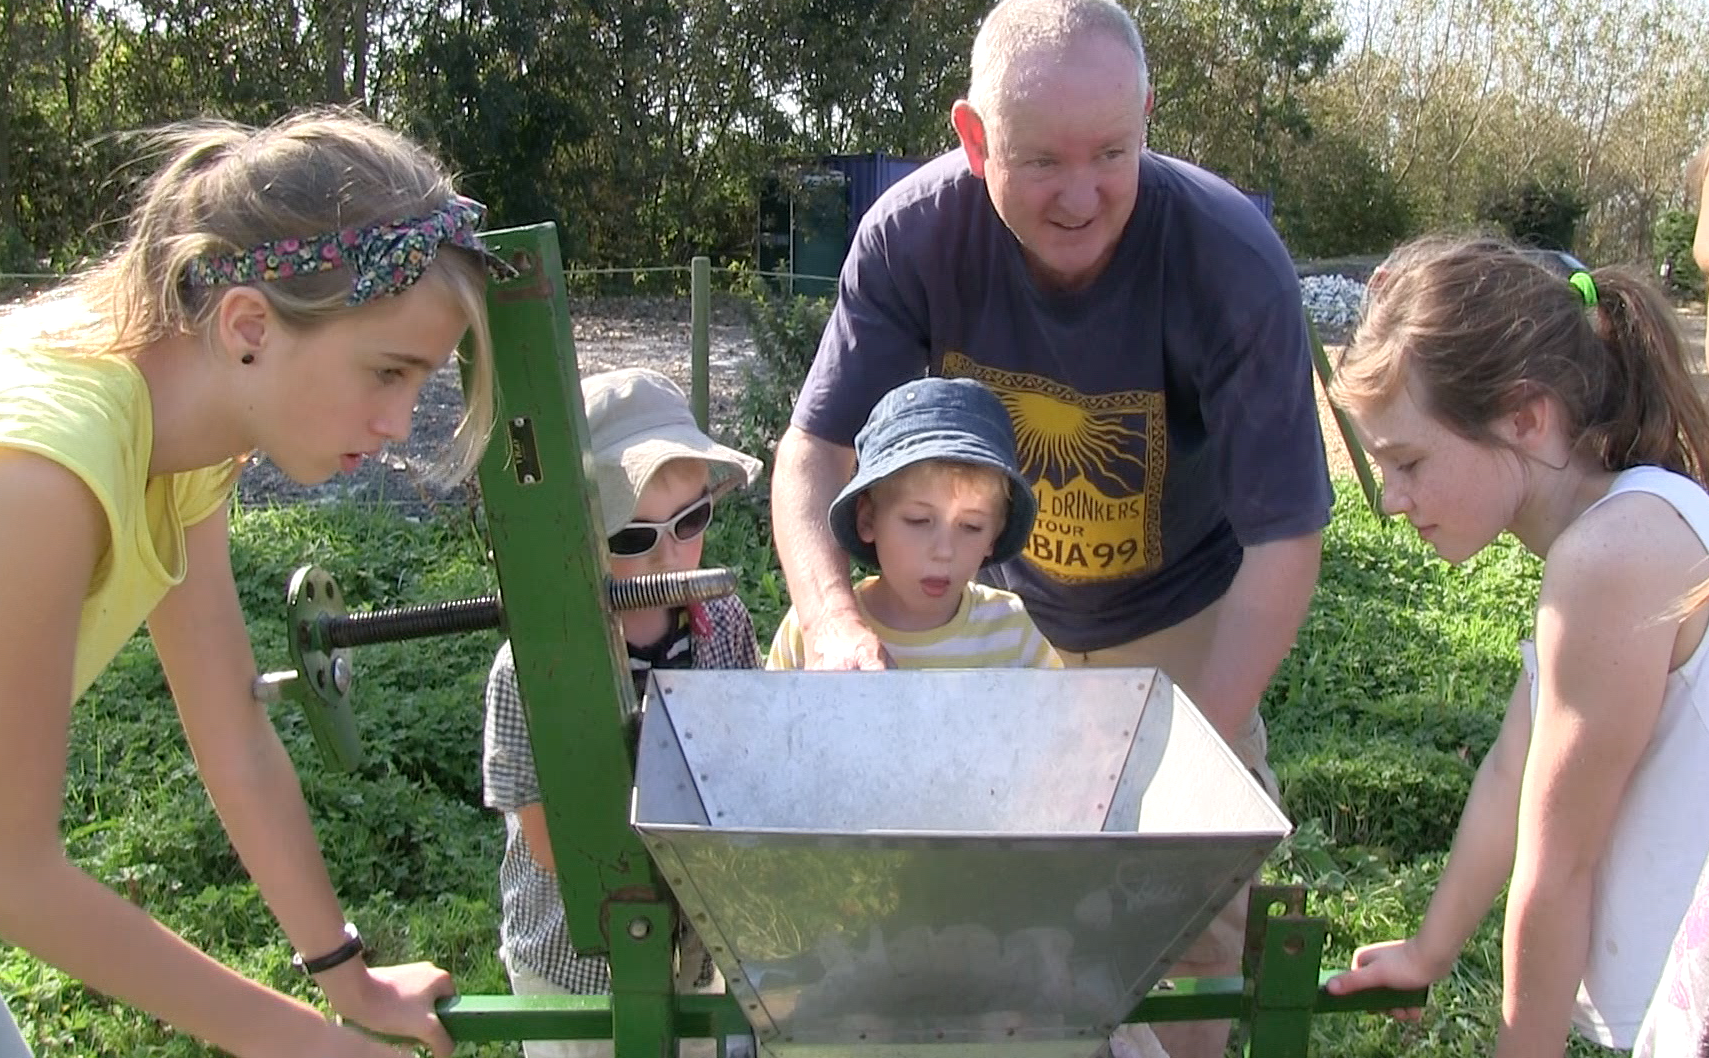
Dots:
pixel 671 280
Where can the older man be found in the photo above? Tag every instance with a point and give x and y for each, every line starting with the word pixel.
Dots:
pixel 1142 324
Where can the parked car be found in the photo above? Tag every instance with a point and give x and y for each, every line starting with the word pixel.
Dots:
pixel 1559 262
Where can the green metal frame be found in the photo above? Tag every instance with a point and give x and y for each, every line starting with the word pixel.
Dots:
pixel 581 712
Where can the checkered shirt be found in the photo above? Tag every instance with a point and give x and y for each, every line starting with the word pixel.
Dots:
pixel 532 930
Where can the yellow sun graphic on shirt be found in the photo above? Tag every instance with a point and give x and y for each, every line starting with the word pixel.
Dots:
pixel 1057 438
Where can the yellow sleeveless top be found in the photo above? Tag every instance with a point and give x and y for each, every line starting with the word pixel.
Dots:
pixel 92 416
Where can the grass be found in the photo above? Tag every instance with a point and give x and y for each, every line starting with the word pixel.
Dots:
pixel 1377 721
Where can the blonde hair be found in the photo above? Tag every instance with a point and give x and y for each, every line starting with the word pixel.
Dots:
pixel 975 477
pixel 227 188
pixel 1015 30
pixel 1473 328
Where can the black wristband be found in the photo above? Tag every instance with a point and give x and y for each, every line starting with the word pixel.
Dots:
pixel 350 949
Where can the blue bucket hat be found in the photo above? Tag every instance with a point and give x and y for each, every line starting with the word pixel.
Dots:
pixel 952 419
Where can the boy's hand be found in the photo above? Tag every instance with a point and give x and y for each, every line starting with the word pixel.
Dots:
pixel 1389 964
pixel 841 640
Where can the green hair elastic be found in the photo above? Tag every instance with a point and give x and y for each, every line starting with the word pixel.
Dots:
pixel 1586 287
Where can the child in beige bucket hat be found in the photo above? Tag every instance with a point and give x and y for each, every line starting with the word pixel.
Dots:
pixel 640 422
pixel 658 477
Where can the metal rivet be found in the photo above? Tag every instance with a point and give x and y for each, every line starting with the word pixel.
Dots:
pixel 517 422
pixel 341 675
pixel 639 928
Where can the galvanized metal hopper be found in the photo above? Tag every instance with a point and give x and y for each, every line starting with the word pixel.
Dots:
pixel 988 862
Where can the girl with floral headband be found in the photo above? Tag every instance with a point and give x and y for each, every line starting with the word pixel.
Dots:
pixel 284 290
pixel 1496 396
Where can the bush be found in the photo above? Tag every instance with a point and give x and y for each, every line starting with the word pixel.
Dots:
pixel 1540 211
pixel 1337 199
pixel 1404 799
pixel 786 334
pixel 1675 231
pixel 16 255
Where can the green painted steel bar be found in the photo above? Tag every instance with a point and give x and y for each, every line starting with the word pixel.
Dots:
pixel 1285 992
pixel 1289 980
pixel 504 1017
pixel 545 531
pixel 1355 450
pixel 643 1010
pixel 1214 998
pixel 700 339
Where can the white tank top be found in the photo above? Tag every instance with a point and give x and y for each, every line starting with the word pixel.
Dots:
pixel 1661 834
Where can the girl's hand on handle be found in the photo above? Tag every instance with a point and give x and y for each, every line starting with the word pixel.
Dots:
pixel 1389 964
pixel 393 1001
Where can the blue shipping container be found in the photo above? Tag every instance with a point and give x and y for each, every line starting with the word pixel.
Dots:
pixel 869 175
pixel 1266 203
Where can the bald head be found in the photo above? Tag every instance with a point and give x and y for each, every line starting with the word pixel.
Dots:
pixel 1021 40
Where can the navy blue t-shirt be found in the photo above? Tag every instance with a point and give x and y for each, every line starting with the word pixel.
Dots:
pixel 1165 414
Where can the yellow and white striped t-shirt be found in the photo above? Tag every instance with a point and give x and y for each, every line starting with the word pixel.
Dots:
pixel 990 629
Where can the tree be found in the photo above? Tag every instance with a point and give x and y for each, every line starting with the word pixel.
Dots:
pixel 1230 77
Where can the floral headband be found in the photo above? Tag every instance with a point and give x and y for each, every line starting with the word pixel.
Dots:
pixel 387 258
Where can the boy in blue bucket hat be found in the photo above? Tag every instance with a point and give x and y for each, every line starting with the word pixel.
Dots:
pixel 937 495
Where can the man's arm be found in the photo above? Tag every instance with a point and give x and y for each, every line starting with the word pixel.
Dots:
pixel 1256 624
pixel 806 477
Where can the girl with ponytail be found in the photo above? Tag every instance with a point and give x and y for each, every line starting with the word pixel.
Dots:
pixel 1497 397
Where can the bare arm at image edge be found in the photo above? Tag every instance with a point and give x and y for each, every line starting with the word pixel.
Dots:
pixel 1698 175
pixel 48 905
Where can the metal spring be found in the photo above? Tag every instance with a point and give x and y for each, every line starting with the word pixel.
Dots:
pixel 654 590
pixel 646 592
pixel 414 622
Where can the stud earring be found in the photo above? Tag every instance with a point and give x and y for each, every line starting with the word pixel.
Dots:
pixel 248 358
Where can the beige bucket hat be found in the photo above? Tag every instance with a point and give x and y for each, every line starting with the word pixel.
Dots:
pixel 640 420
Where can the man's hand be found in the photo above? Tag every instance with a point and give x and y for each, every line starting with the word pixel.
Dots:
pixel 841 640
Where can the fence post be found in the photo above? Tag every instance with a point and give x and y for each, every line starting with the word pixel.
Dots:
pixel 700 342
pixel 1355 451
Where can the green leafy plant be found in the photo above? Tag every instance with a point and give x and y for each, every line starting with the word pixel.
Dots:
pixel 1676 229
